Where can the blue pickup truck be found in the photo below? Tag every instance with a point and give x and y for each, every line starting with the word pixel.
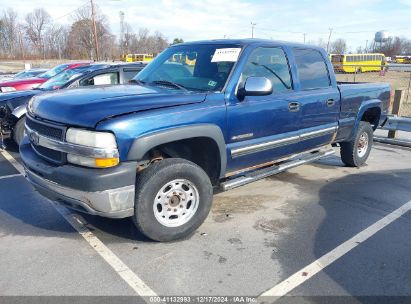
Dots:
pixel 201 116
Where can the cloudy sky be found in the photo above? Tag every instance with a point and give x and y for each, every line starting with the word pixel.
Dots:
pixel 353 20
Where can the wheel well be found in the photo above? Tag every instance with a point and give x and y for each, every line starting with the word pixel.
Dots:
pixel 202 151
pixel 372 115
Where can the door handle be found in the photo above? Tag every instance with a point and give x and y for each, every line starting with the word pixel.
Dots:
pixel 294 106
pixel 330 102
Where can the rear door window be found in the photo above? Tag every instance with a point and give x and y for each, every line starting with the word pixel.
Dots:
pixel 312 69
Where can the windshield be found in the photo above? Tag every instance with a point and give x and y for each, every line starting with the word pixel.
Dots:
pixel 199 67
pixel 54 71
pixel 26 74
pixel 61 79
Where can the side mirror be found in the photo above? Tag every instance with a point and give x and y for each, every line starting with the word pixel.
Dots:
pixel 255 86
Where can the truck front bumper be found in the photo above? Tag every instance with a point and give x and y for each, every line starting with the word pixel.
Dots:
pixel 103 192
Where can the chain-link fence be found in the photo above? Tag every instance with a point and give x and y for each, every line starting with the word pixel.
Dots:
pixel 397 75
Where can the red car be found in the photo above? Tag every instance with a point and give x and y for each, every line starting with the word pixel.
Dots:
pixel 31 83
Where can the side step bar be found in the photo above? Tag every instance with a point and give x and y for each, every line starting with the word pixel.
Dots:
pixel 274 169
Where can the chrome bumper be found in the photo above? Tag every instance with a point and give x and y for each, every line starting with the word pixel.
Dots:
pixel 112 203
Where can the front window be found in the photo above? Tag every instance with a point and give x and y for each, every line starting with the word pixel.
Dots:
pixel 54 71
pixel 198 67
pixel 271 63
pixel 337 58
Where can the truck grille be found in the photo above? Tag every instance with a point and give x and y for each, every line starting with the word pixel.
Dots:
pixel 51 131
pixel 45 129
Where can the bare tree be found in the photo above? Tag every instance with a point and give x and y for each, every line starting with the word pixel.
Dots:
pixel 9 33
pixel 339 46
pixel 55 41
pixel 81 40
pixel 36 26
pixel 394 46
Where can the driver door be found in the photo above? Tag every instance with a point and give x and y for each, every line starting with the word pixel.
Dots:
pixel 263 128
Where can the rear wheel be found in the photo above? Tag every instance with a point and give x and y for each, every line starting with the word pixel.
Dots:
pixel 173 198
pixel 355 153
pixel 18 131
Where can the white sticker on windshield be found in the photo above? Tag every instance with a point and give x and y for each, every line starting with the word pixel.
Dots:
pixel 229 54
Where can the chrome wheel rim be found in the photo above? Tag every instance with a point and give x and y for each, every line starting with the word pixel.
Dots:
pixel 362 146
pixel 176 203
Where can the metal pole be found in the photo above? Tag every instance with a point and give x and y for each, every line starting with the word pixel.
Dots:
pixel 305 34
pixel 252 29
pixel 93 16
pixel 329 38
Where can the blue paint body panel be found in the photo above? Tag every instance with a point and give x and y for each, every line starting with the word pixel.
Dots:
pixel 134 111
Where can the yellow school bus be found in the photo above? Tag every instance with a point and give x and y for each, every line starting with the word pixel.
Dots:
pixel 402 59
pixel 139 57
pixel 352 63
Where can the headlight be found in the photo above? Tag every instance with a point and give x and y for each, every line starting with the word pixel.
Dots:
pixel 7 89
pixel 98 140
pixel 91 138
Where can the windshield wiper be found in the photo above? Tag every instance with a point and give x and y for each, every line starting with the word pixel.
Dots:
pixel 274 73
pixel 170 84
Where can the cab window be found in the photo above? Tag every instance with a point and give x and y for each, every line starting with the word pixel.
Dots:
pixel 312 69
pixel 271 63
pixel 102 79
pixel 129 74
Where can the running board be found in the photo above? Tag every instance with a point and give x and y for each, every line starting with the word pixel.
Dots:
pixel 274 169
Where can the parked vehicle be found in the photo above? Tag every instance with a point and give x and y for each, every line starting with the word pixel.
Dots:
pixel 13 105
pixel 153 151
pixel 358 63
pixel 139 57
pixel 29 73
pixel 31 83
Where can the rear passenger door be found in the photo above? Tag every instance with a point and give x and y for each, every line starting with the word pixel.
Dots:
pixel 317 98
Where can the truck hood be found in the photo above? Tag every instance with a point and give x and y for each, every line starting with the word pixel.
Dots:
pixel 86 107
pixel 17 98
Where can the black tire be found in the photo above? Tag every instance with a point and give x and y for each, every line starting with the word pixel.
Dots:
pixel 350 150
pixel 148 186
pixel 18 131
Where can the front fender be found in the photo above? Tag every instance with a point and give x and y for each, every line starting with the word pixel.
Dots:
pixel 142 145
pixel 20 111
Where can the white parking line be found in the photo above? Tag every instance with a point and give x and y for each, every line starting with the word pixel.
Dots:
pixel 10 176
pixel 12 161
pixel 315 267
pixel 114 261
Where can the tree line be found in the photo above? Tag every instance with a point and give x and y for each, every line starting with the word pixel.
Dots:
pixel 38 36
pixel 393 46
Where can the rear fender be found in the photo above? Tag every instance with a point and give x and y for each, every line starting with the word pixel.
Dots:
pixel 366 105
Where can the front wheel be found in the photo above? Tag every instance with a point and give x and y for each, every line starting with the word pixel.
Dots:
pixel 355 152
pixel 173 198
pixel 18 130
